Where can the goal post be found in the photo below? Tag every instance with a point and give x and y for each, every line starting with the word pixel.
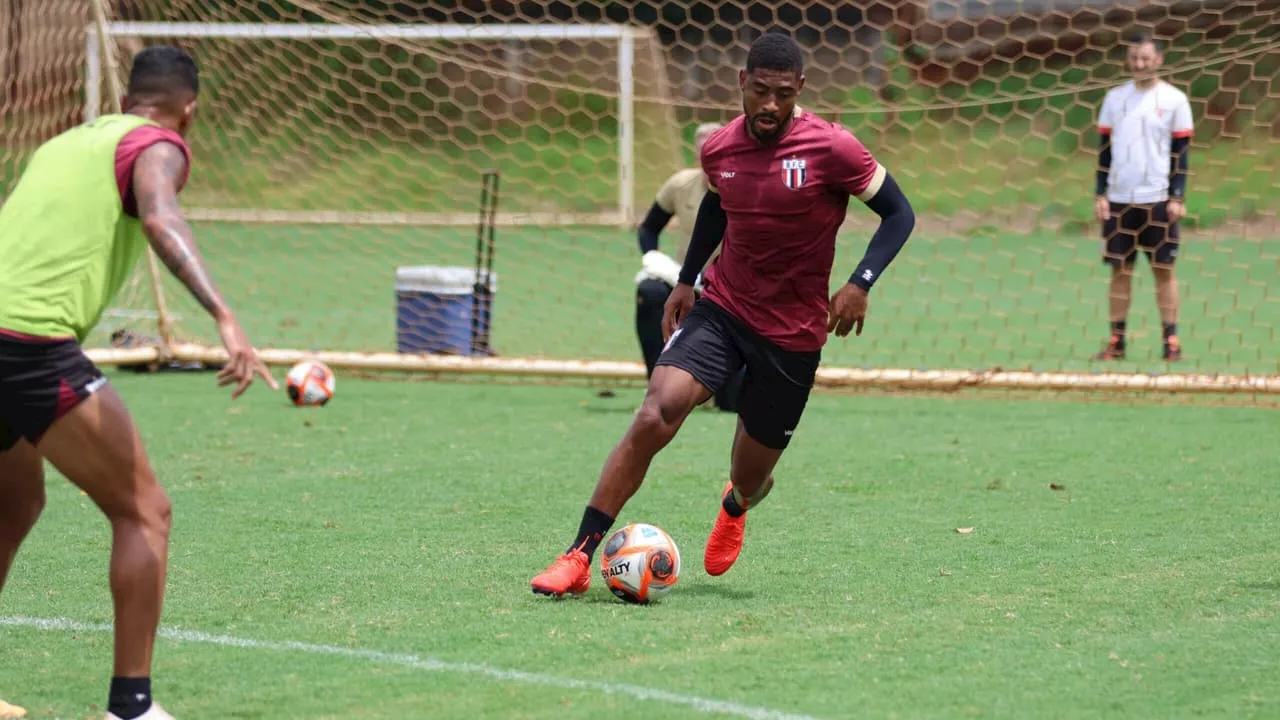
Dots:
pixel 338 171
pixel 599 68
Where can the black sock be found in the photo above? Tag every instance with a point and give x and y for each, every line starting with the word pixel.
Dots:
pixel 1170 330
pixel 731 506
pixel 129 697
pixel 1117 329
pixel 594 525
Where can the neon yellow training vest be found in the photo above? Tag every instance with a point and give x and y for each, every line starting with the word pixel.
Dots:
pixel 66 243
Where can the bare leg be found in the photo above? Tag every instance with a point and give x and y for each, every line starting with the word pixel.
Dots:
pixel 1120 295
pixel 1166 294
pixel 750 481
pixel 97 447
pixel 1121 292
pixel 21 500
pixel 751 464
pixel 672 395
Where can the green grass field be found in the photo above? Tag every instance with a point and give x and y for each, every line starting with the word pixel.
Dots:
pixel 394 532
pixel 371 559
pixel 988 299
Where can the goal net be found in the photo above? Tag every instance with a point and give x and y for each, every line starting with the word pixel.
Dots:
pixel 341 152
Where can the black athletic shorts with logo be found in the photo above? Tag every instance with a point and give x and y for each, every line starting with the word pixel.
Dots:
pixel 1139 226
pixel 41 379
pixel 712 346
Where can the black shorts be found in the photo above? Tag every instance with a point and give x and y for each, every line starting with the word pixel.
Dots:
pixel 1139 226
pixel 712 346
pixel 40 381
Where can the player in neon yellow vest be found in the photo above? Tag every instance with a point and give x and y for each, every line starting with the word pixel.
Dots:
pixel 86 206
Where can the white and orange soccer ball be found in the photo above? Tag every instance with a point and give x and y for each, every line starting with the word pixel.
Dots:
pixel 310 383
pixel 640 563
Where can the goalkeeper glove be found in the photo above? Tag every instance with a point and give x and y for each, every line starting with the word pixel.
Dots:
pixel 657 265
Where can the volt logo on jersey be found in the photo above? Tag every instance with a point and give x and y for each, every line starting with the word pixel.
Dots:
pixel 793 173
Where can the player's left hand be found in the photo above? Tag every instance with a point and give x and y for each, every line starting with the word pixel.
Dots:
pixel 846 311
pixel 1176 209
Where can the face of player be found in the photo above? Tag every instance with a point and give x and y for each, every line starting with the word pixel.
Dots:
pixel 768 99
pixel 1143 62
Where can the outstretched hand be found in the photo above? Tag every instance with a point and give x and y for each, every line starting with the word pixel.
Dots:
pixel 846 310
pixel 677 308
pixel 243 362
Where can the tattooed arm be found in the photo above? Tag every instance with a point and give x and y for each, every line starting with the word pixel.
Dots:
pixel 157 173
pixel 156 176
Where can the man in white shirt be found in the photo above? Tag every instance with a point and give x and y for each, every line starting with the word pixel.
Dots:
pixel 679 197
pixel 1146 130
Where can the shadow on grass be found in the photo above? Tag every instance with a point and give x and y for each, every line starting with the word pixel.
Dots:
pixel 692 589
pixel 1273 585
pixel 715 589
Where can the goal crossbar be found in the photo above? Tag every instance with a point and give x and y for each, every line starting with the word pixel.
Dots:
pixel 626 55
pixel 329 31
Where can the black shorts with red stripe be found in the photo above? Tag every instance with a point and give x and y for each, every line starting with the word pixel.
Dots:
pixel 41 379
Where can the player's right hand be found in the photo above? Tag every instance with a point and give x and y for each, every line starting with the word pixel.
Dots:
pixel 847 310
pixel 243 362
pixel 679 303
pixel 1101 208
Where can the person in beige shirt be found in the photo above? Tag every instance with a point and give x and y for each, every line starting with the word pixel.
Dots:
pixel 679 198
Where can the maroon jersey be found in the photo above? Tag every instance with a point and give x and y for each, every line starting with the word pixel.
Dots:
pixel 784 203
pixel 127 152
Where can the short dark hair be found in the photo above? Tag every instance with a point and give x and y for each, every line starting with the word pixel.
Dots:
pixel 1142 37
pixel 775 51
pixel 163 70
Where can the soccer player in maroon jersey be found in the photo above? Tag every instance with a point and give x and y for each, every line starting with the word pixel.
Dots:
pixel 780 181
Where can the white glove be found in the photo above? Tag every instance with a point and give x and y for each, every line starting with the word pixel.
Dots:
pixel 657 265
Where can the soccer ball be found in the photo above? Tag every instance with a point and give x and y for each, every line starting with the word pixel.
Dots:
pixel 310 384
pixel 640 563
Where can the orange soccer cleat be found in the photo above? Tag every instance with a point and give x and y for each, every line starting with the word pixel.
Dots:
pixel 725 541
pixel 570 573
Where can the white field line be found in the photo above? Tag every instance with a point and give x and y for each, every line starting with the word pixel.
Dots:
pixel 701 704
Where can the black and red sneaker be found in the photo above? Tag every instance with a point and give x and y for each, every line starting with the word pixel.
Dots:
pixel 1172 349
pixel 1114 349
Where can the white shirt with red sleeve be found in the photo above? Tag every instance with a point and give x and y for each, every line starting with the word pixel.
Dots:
pixel 1142 125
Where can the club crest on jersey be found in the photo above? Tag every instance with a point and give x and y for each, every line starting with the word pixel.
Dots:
pixel 793 173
